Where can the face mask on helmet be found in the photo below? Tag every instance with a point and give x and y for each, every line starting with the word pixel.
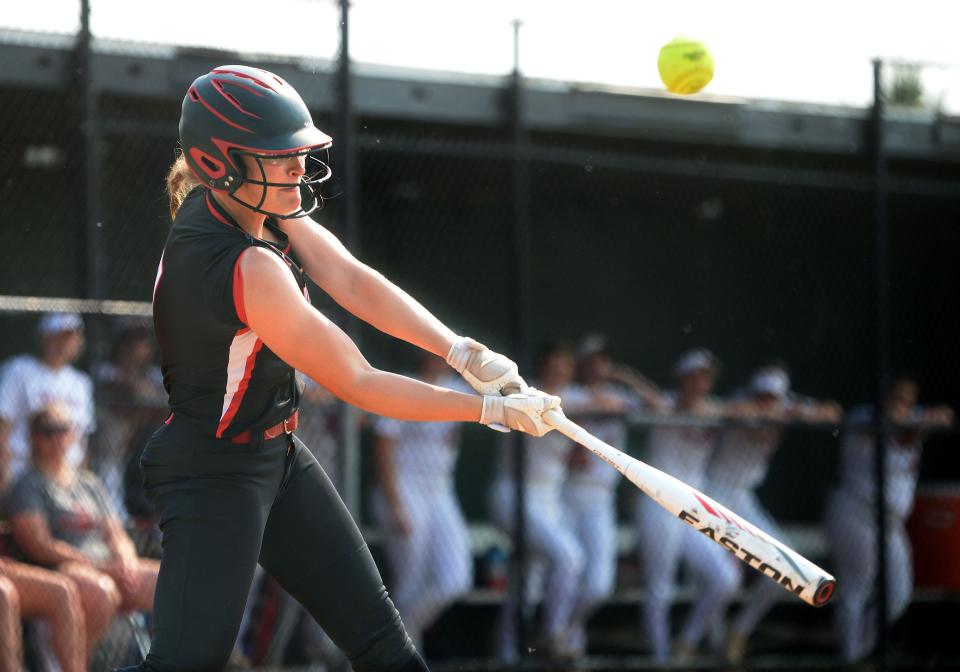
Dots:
pixel 316 172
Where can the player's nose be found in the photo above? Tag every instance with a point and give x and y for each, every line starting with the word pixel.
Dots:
pixel 297 166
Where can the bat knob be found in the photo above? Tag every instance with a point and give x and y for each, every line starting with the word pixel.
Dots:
pixel 510 388
pixel 824 592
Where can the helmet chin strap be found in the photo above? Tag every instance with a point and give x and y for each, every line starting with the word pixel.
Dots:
pixel 315 203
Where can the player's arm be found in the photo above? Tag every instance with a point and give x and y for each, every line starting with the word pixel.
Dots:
pixel 120 543
pixel 387 476
pixel 936 416
pixel 640 385
pixel 363 291
pixel 285 321
pixel 367 294
pixel 815 410
pixel 746 409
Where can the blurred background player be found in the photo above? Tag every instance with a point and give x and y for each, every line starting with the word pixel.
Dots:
pixel 131 404
pixel 415 504
pixel 740 465
pixel 589 495
pixel 28 383
pixel 851 514
pixel 682 452
pixel 551 543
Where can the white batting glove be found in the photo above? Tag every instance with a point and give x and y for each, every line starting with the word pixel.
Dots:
pixel 486 371
pixel 519 411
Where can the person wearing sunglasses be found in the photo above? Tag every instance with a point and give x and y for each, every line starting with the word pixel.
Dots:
pixel 61 518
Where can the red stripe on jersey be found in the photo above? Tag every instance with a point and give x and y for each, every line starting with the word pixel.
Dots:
pixel 238 290
pixel 240 348
pixel 213 211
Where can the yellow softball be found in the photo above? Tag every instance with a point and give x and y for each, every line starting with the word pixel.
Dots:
pixel 685 65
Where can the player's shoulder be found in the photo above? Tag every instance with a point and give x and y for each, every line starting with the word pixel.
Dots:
pixel 20 365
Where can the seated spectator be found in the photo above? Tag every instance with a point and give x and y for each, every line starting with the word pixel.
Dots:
pixel 28 382
pixel 60 517
pixel 31 592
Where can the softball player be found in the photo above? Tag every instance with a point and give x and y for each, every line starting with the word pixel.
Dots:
pixel 589 495
pixel 231 483
pixel 682 452
pixel 551 543
pixel 851 514
pixel 740 465
pixel 416 506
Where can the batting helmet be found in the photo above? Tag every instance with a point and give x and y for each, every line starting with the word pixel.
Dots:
pixel 235 110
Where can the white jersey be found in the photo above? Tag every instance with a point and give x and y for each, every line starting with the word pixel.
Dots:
pixel 743 454
pixel 611 430
pixel 27 385
pixel 424 448
pixel 547 455
pixel 857 475
pixel 683 452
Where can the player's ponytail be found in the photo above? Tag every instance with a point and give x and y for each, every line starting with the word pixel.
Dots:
pixel 180 182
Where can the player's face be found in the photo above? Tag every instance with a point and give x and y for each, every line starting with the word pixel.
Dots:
pixel 595 367
pixel 558 369
pixel 282 170
pixel 901 399
pixel 698 383
pixel 63 347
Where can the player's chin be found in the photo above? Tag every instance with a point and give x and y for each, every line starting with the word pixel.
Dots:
pixel 288 200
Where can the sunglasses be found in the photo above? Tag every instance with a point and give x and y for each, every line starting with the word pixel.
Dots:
pixel 52 429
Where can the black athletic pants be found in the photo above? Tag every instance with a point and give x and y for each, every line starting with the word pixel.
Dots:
pixel 223 507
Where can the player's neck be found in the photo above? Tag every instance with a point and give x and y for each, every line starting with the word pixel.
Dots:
pixel 247 219
pixel 52 362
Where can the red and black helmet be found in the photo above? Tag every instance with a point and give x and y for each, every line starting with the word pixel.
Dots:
pixel 234 110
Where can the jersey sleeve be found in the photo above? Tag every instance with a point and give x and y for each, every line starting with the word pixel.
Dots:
pixel 26 496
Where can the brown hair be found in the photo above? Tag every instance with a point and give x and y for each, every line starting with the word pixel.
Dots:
pixel 180 182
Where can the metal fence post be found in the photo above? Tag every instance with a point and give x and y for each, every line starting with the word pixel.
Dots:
pixel 882 345
pixel 91 247
pixel 345 152
pixel 519 310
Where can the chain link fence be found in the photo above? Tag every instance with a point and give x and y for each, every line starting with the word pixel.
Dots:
pixel 705 306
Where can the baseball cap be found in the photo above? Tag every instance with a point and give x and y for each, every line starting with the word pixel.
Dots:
pixel 694 360
pixel 54 323
pixel 770 381
pixel 592 344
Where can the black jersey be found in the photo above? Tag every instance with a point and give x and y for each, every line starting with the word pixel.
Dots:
pixel 217 372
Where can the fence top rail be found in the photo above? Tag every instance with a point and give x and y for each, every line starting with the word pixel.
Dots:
pixel 39 304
